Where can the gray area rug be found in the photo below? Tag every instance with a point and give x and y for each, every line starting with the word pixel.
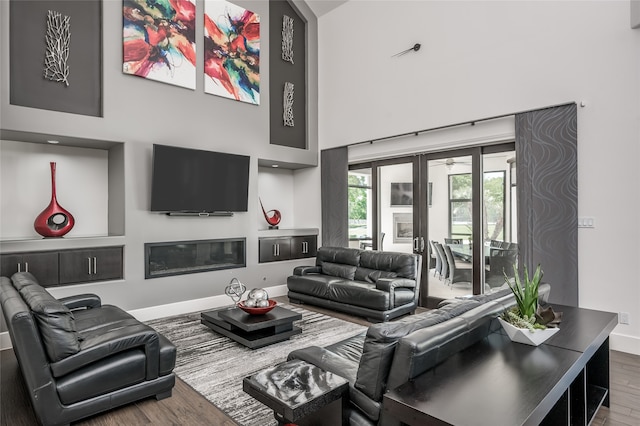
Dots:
pixel 215 365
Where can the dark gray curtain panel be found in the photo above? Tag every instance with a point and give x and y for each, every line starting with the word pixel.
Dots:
pixel 334 181
pixel 547 189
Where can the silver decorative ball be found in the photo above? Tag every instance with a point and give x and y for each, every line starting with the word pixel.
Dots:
pixel 258 293
pixel 262 303
pixel 250 303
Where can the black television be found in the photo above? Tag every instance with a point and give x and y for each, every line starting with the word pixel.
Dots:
pixel 198 182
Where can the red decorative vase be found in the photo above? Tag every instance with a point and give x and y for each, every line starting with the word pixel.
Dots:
pixel 54 221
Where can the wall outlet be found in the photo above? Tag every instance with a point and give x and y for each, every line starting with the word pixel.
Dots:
pixel 586 222
pixel 623 317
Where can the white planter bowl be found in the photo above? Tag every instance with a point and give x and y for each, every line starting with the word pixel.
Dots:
pixel 526 336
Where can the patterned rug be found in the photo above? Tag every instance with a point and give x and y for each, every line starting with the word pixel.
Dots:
pixel 215 365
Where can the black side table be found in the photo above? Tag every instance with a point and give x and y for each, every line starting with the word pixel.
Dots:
pixel 296 389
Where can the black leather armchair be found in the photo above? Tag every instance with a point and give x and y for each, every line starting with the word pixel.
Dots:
pixel 79 357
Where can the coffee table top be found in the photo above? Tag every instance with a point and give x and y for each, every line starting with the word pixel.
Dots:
pixel 244 321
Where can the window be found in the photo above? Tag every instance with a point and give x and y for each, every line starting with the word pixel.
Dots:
pixel 360 207
pixel 460 213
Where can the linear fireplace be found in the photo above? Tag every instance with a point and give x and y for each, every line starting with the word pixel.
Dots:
pixel 188 257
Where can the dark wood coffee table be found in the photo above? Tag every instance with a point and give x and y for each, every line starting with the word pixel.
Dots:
pixel 253 331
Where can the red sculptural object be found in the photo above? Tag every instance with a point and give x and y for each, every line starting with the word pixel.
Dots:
pixel 54 221
pixel 272 216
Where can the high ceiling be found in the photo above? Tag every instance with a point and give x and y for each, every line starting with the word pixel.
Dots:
pixel 320 7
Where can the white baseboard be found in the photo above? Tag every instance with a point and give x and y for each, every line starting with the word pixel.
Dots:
pixel 171 309
pixel 624 343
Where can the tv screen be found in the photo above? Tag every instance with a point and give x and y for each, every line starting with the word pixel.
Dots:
pixel 195 181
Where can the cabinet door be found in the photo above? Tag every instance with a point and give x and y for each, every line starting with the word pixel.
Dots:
pixel 43 266
pixel 274 249
pixel 305 246
pixel 78 266
pixel 107 264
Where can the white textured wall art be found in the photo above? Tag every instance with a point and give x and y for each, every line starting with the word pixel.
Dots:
pixel 287 38
pixel 56 56
pixel 287 104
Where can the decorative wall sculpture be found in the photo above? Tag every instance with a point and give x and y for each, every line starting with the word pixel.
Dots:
pixel 287 38
pixel 287 102
pixel 159 40
pixel 232 51
pixel 56 67
pixel 55 63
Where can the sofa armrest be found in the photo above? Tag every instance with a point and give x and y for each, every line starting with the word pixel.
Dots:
pixel 389 284
pixel 100 346
pixel 304 270
pixel 81 301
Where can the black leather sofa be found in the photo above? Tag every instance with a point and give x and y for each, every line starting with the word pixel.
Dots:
pixel 79 357
pixel 392 353
pixel 377 285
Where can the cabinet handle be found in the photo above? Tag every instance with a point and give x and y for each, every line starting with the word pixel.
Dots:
pixel 26 266
pixel 275 249
pixel 305 247
pixel 89 264
pixel 95 265
pixel 19 268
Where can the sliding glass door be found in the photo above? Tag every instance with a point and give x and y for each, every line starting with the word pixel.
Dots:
pixel 456 208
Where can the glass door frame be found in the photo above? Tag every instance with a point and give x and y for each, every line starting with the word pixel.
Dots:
pixel 420 210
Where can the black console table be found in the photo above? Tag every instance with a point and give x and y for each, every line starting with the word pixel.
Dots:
pixel 497 382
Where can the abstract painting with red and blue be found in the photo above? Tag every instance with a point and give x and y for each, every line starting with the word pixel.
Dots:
pixel 231 51
pixel 159 40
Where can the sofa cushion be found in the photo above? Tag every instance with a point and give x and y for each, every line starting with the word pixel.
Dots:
pixel 361 294
pixel 372 275
pixel 405 265
pixel 339 270
pixel 379 347
pixel 55 322
pixel 343 255
pixel 23 279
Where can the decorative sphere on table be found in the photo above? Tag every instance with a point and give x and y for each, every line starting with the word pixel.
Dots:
pixel 262 303
pixel 258 294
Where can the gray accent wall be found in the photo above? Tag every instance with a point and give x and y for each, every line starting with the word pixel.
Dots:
pixel 335 195
pixel 28 28
pixel 547 176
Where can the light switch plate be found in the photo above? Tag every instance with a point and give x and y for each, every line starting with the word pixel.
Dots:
pixel 586 222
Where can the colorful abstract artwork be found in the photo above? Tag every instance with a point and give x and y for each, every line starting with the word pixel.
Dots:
pixel 159 40
pixel 232 51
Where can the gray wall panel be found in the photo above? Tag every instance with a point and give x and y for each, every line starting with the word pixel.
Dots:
pixel 334 187
pixel 547 166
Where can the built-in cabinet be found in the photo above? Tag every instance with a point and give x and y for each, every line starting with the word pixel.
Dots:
pixel 274 249
pixel 43 265
pixel 100 264
pixel 64 267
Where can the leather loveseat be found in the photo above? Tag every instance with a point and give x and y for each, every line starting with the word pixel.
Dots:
pixel 377 285
pixel 392 353
pixel 79 357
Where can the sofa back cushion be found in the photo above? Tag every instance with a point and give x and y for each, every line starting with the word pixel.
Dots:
pixel 338 270
pixel 342 255
pixel 404 265
pixel 23 279
pixel 379 347
pixel 55 322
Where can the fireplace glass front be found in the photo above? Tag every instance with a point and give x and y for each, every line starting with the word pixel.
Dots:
pixel 187 257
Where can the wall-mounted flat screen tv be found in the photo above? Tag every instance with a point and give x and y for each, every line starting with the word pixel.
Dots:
pixel 186 180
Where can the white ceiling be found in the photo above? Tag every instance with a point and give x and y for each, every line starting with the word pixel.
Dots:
pixel 320 7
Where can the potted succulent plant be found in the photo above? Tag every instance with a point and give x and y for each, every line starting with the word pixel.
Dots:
pixel 527 322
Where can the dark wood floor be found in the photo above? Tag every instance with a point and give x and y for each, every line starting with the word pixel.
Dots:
pixel 187 407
